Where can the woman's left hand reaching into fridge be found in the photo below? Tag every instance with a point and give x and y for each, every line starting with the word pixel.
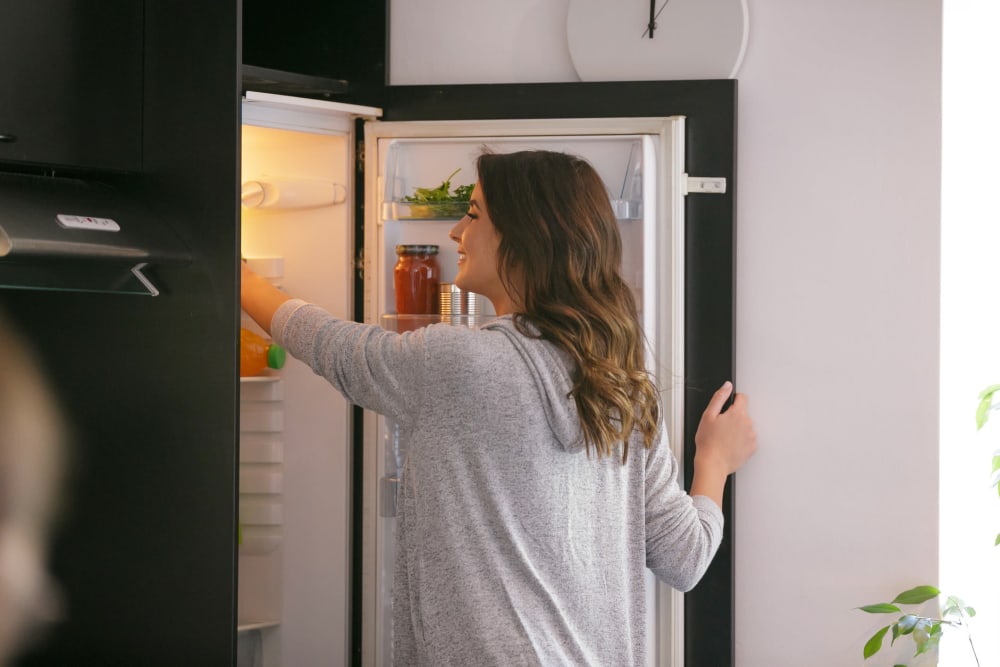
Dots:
pixel 259 298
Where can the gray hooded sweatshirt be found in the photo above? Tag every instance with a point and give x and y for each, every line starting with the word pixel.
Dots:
pixel 514 546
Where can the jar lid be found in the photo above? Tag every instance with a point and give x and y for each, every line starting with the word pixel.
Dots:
pixel 416 250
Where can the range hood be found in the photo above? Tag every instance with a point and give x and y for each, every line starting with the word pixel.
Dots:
pixel 80 235
pixel 279 82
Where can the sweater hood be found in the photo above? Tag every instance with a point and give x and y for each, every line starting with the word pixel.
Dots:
pixel 552 370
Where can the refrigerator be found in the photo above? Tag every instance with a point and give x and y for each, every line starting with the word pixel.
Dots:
pixel 324 204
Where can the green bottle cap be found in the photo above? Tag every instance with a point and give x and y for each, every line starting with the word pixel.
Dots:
pixel 275 356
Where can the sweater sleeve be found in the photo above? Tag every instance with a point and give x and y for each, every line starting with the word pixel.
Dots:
pixel 377 369
pixel 683 532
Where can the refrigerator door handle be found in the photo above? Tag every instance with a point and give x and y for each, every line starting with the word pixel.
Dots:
pixel 388 490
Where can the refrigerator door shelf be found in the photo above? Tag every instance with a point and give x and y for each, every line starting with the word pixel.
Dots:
pixel 258 540
pixel 250 626
pixel 627 210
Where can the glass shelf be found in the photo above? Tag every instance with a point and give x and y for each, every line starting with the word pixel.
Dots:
pixel 400 323
pixel 625 210
pixel 69 234
pixel 76 276
pixel 401 210
pixel 413 164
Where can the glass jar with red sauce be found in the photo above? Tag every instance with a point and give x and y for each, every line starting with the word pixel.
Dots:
pixel 416 279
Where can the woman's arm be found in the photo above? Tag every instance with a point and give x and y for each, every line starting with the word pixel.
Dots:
pixel 260 299
pixel 724 442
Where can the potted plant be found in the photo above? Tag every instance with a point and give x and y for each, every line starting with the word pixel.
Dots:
pixel 926 631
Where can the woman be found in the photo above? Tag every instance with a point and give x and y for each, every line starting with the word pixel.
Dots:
pixel 537 488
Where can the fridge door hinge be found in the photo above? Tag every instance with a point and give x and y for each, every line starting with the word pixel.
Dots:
pixel 705 184
pixel 359 264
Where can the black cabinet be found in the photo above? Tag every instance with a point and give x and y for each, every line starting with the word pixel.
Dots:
pixel 71 83
pixel 145 552
pixel 340 40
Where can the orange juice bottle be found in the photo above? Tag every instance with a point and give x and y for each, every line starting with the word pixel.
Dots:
pixel 258 353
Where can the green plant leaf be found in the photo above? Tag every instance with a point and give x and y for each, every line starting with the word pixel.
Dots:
pixel 953 605
pixel 917 595
pixel 906 624
pixel 997 540
pixel 442 192
pixel 956 606
pixel 985 403
pixel 932 640
pixel 880 608
pixel 921 635
pixel 989 391
pixel 873 645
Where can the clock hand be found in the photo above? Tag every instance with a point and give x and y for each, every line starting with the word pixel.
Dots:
pixel 651 26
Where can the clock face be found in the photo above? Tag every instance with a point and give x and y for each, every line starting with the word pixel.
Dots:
pixel 693 39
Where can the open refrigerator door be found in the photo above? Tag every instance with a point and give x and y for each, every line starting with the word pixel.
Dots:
pixel 298 159
pixel 641 163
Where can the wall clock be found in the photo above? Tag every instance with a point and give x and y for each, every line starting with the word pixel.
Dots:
pixel 609 40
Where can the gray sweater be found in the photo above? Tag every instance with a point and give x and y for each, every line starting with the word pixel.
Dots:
pixel 514 546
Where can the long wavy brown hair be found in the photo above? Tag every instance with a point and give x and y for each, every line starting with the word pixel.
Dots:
pixel 559 236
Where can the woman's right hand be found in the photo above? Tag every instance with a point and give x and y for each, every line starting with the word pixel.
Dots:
pixel 259 298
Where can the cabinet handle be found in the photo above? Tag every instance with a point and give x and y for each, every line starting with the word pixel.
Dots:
pixel 7 138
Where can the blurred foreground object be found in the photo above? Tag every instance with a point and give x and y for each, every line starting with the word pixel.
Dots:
pixel 32 442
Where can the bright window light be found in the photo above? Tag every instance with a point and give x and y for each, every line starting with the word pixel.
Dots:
pixel 970 322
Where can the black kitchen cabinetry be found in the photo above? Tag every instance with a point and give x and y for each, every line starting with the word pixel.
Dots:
pixel 337 40
pixel 71 83
pixel 145 551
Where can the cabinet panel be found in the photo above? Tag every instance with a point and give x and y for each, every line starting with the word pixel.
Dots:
pixel 145 554
pixel 71 83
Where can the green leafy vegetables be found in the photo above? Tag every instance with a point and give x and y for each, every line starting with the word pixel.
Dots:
pixel 440 202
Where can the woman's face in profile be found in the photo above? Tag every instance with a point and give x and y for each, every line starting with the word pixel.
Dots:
pixel 478 242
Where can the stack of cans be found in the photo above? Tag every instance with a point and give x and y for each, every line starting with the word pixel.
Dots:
pixel 458 306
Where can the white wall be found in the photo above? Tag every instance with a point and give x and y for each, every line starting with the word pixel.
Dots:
pixel 838 291
pixel 838 320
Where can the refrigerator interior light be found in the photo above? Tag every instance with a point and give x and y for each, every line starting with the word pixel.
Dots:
pixel 291 193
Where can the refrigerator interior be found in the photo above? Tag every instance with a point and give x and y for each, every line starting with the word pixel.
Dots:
pixel 404 156
pixel 297 229
pixel 408 164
